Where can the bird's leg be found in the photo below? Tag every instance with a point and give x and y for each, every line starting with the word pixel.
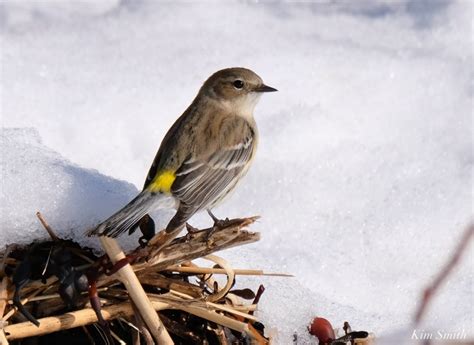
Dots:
pixel 218 223
pixel 191 231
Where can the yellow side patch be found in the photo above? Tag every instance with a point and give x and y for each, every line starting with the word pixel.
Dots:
pixel 163 181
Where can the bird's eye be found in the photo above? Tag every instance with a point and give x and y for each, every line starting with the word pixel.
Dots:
pixel 238 84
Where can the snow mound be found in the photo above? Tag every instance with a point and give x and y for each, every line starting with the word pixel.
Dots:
pixel 35 178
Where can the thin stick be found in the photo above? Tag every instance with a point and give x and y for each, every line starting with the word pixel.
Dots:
pixel 142 327
pixel 127 276
pixel 221 335
pixel 231 310
pixel 129 324
pixel 443 274
pixel 23 301
pixel 136 337
pixel 56 295
pixel 209 270
pixel 66 321
pixel 182 331
pixel 3 304
pixel 258 338
pixel 245 308
pixel 218 318
pixel 222 307
pixel 158 280
pixel 38 284
pixel 116 337
pixel 3 338
pixel 5 259
pixel 87 316
pixel 88 335
pixel 3 295
pixel 50 231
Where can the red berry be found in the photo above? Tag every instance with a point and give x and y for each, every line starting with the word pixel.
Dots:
pixel 322 329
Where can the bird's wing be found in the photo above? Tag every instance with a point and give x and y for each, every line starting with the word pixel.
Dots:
pixel 167 149
pixel 202 180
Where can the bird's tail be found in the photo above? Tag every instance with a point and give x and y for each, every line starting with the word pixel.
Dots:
pixel 129 215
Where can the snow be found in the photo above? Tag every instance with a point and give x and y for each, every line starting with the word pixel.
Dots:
pixel 35 178
pixel 363 174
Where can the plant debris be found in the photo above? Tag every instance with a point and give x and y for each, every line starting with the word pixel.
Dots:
pixel 322 329
pixel 58 291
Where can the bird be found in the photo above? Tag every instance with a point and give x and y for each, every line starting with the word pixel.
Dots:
pixel 202 157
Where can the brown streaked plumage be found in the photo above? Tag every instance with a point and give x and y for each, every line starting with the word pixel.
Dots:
pixel 203 156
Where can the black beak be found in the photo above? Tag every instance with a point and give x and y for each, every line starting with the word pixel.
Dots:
pixel 264 88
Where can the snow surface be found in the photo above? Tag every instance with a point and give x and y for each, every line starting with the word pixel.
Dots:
pixel 363 174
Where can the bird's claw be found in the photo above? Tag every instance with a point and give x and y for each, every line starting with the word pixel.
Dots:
pixel 219 223
pixel 191 232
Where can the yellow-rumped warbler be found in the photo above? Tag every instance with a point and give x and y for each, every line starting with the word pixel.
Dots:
pixel 203 155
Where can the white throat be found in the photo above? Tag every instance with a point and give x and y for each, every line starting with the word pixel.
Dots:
pixel 245 105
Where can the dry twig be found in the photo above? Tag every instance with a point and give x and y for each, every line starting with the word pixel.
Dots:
pixel 164 274
pixel 137 294
pixel 50 231
pixel 445 271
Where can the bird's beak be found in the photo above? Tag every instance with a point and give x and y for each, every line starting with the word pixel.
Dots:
pixel 264 88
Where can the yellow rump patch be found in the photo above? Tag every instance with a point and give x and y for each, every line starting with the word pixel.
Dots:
pixel 163 182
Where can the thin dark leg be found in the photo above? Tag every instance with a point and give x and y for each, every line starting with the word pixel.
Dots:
pixel 218 223
pixel 191 229
pixel 214 218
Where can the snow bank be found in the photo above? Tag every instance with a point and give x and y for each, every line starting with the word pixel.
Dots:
pixel 363 175
pixel 35 178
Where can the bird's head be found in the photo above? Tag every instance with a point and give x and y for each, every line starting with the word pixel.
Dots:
pixel 237 87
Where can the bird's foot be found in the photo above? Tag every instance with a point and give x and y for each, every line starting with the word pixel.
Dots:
pixel 191 229
pixel 219 223
pixel 191 232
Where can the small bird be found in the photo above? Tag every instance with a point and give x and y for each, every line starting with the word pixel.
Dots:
pixel 202 157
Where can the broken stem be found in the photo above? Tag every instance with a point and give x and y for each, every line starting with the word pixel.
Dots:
pixel 50 231
pixel 127 276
